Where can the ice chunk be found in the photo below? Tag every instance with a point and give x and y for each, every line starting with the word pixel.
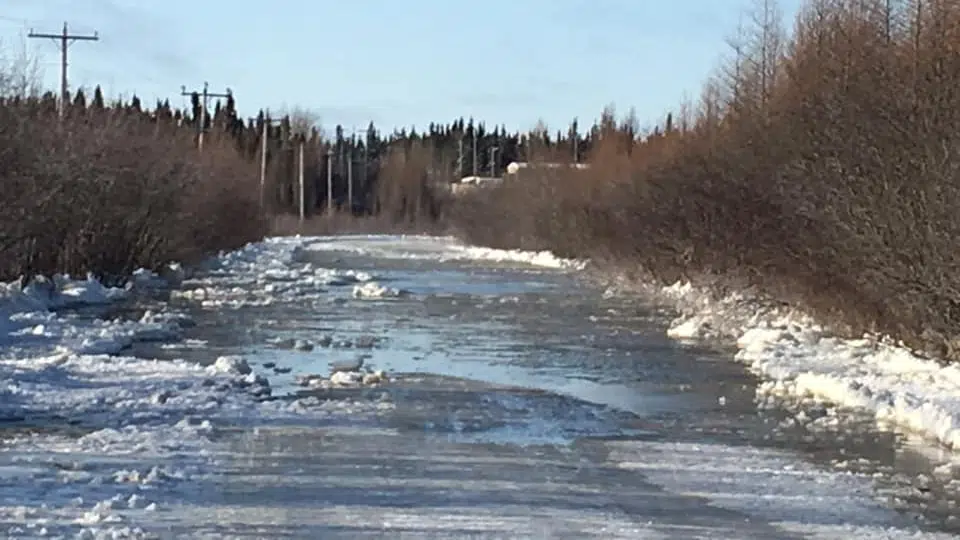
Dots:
pixel 372 289
pixel 231 365
pixel 346 378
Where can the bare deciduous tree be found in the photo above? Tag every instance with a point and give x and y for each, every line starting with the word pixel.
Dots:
pixel 842 198
pixel 20 72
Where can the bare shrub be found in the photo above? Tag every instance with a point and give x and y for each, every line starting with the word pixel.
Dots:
pixel 345 223
pixel 20 73
pixel 107 192
pixel 405 192
pixel 822 168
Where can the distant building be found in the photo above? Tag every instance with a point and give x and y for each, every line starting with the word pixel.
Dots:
pixel 481 180
pixel 470 183
pixel 516 166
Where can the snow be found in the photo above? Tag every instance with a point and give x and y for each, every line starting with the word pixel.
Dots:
pixel 372 289
pixel 124 436
pixel 20 305
pixel 346 378
pixel 170 275
pixel 797 357
pixel 230 364
pixel 261 275
pixel 435 248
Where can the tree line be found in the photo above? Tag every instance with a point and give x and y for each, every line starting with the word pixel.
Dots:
pixel 448 151
pixel 104 157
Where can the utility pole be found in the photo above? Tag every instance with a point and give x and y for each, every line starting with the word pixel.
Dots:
pixel 366 160
pixel 493 161
pixel 460 158
pixel 353 138
pixel 330 182
pixel 300 179
pixel 66 39
pixel 366 177
pixel 476 163
pixel 205 96
pixel 576 143
pixel 264 131
pixel 264 137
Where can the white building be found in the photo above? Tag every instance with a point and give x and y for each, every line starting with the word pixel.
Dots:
pixel 470 183
pixel 514 167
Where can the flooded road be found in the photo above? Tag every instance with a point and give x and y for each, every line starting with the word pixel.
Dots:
pixel 515 401
pixel 522 403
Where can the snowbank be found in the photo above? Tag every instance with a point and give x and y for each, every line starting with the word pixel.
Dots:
pixel 263 274
pixel 43 293
pixel 797 357
pixel 54 363
pixel 435 248
pixel 59 374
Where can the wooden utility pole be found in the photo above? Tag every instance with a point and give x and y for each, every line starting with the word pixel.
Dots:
pixel 353 139
pixel 264 138
pixel 300 179
pixel 330 181
pixel 576 143
pixel 66 39
pixel 366 153
pixel 476 162
pixel 264 132
pixel 205 96
pixel 460 158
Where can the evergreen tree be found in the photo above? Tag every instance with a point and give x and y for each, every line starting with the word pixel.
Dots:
pixel 98 102
pixel 79 100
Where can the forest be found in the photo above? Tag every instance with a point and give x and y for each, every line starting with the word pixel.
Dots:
pixel 819 167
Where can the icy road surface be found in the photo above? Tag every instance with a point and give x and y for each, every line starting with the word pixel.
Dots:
pixel 519 403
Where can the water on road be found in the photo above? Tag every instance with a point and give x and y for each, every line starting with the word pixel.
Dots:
pixel 521 403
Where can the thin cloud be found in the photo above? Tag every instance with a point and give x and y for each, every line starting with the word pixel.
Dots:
pixel 131 34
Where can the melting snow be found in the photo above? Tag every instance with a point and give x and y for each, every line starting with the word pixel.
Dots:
pixel 798 358
pixel 435 248
pixel 372 289
pixel 66 373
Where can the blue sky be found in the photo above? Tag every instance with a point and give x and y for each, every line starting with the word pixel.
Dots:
pixel 394 62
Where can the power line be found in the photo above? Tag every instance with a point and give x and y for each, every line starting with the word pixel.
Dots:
pixel 205 96
pixel 66 39
pixel 264 136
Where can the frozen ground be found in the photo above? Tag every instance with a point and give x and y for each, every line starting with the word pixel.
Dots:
pixel 102 441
